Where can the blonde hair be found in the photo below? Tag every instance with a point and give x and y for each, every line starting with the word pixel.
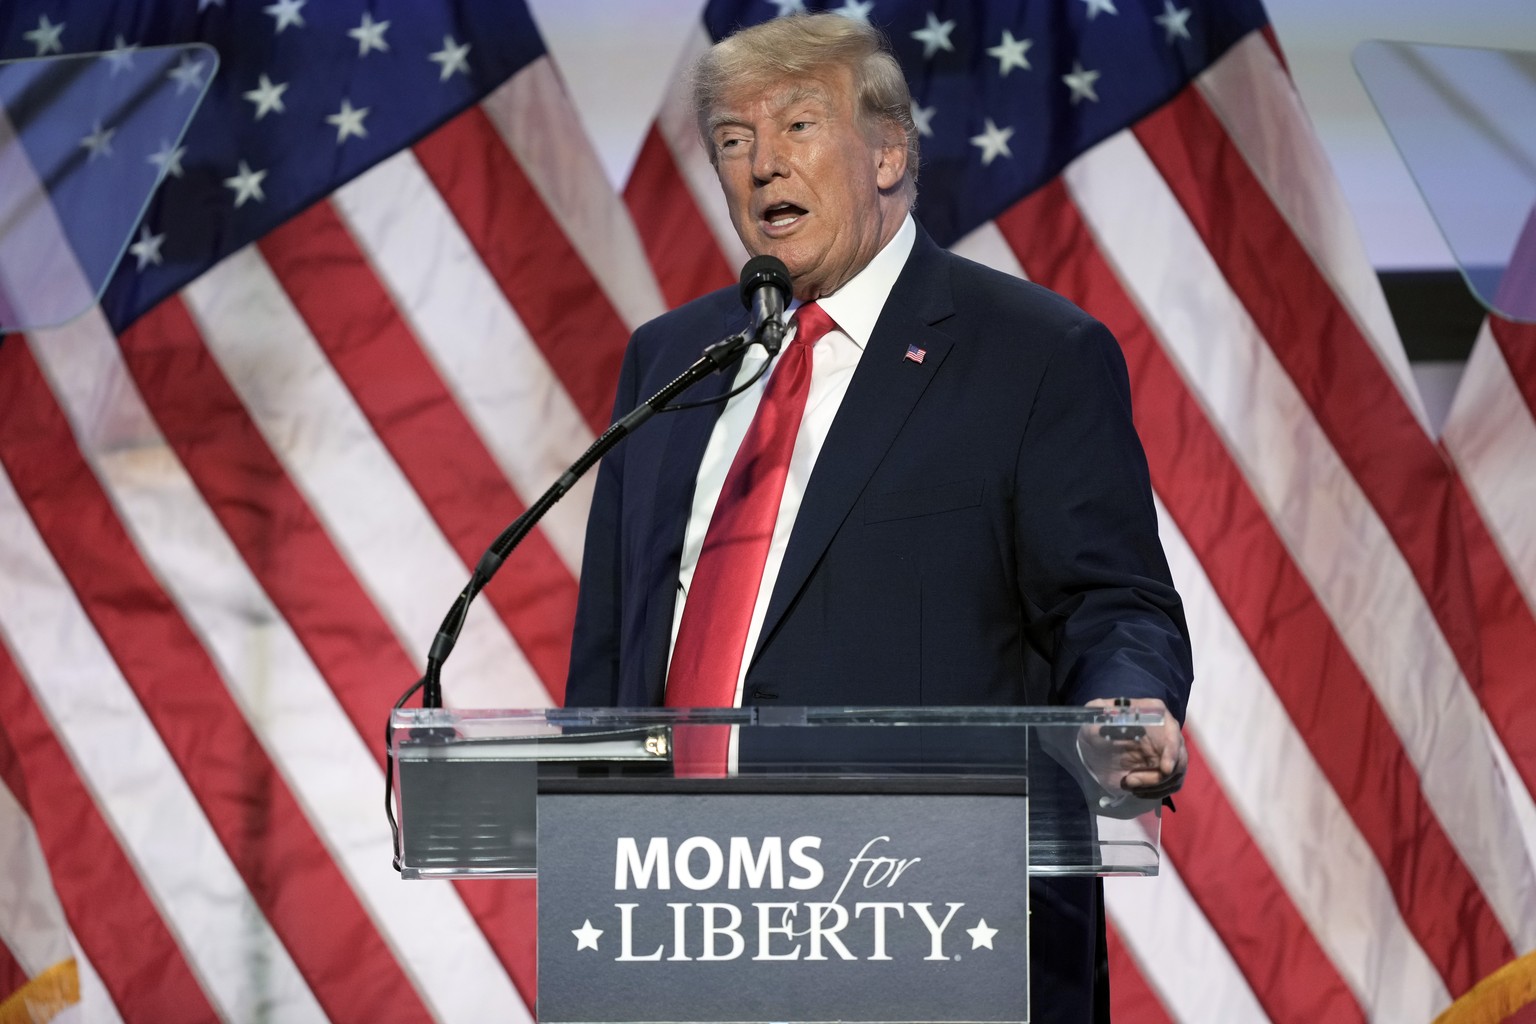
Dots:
pixel 804 44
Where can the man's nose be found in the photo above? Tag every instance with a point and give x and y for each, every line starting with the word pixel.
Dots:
pixel 768 160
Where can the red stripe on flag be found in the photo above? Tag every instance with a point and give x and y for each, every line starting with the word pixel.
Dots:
pixel 112 917
pixel 678 242
pixel 12 977
pixel 1289 973
pixel 262 828
pixel 1315 338
pixel 1131 998
pixel 1402 472
pixel 1518 343
pixel 1329 701
pixel 356 323
pixel 536 267
pixel 292 557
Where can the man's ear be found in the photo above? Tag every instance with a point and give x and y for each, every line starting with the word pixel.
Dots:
pixel 892 166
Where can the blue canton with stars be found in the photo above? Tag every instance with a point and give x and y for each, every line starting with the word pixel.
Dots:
pixel 1006 93
pixel 307 95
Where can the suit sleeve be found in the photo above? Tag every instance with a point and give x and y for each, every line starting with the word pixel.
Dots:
pixel 1097 593
pixel 593 680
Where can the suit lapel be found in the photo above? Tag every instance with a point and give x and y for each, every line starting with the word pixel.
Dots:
pixel 885 388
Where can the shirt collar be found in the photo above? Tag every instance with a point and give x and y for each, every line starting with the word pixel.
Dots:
pixel 856 306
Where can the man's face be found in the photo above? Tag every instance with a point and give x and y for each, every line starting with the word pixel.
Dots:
pixel 804 182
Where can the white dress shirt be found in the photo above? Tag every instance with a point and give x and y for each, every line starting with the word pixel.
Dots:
pixel 855 307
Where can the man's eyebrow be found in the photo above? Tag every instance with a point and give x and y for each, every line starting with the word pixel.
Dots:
pixel 798 94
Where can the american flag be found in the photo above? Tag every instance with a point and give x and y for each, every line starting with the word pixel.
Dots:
pixel 382 306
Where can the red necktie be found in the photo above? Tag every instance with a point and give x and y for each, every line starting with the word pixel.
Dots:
pixel 712 637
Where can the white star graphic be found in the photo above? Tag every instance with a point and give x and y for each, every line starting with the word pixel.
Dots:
pixel 203 5
pixel 369 35
pixel 188 74
pixel 453 57
pixel 287 13
pixel 99 142
pixel 1081 83
pixel 586 936
pixel 246 185
pixel 993 143
pixel 922 117
pixel 1095 6
pixel 934 36
pixel 168 159
pixel 147 249
pixel 268 96
pixel 348 122
pixel 46 36
pixel 981 935
pixel 1175 21
pixel 1010 53
pixel 856 10
pixel 120 56
pixel 788 7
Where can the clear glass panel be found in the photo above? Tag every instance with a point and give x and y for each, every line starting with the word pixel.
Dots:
pixel 84 141
pixel 469 781
pixel 1464 120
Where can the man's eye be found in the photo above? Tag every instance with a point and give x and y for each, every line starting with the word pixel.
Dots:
pixel 799 126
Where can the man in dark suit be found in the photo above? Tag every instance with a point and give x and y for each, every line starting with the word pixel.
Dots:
pixel 961 516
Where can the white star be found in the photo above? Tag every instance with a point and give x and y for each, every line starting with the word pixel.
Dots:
pixel 246 185
pixel 1010 53
pixel 287 13
pixel 369 35
pixel 788 7
pixel 203 5
pixel 168 159
pixel 188 74
pixel 993 143
pixel 45 37
pixel 934 36
pixel 981 935
pixel 1175 21
pixel 586 936
pixel 99 142
pixel 1095 6
pixel 348 121
pixel 453 57
pixel 120 56
pixel 922 117
pixel 1081 83
pixel 147 249
pixel 268 96
pixel 856 10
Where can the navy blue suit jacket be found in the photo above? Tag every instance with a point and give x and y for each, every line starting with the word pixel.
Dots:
pixel 978 529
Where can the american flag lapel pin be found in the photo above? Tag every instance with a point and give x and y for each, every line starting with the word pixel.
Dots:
pixel 915 353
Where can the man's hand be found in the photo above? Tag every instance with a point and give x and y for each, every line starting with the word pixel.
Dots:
pixel 1149 764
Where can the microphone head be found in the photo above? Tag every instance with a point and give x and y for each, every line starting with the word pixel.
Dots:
pixel 763 271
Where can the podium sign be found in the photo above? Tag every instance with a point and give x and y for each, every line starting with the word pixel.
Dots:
pixel 763 906
pixel 848 865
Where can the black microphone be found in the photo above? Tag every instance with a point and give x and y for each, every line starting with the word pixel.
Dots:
pixel 765 290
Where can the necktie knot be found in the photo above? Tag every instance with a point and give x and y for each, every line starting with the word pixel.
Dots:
pixel 811 324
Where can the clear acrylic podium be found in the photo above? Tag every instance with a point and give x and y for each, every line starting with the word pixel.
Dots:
pixel 836 864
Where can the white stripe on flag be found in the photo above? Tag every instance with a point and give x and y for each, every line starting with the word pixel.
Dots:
pixel 284 699
pixel 496 372
pixel 379 525
pixel 134 780
pixel 1338 541
pixel 1292 812
pixel 1253 96
pixel 534 117
pixel 1179 954
pixel 32 923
